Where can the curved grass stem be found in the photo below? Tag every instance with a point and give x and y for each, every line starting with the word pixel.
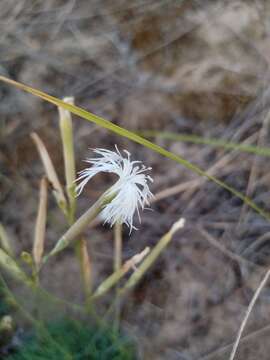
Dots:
pixel 136 138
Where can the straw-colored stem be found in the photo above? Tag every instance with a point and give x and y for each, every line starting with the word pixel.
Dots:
pixel 153 255
pixel 85 267
pixel 40 228
pixel 51 173
pixel 108 283
pixel 248 312
pixel 79 226
pixel 141 270
pixel 117 266
pixel 39 240
pixel 149 258
pixel 113 279
pixel 117 246
pixel 66 130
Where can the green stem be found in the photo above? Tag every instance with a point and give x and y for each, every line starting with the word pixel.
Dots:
pixel 139 272
pixel 79 226
pixel 108 283
pixel 153 255
pixel 86 270
pixel 66 130
pixel 117 266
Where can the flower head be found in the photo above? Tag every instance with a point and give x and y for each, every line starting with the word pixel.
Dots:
pixel 131 191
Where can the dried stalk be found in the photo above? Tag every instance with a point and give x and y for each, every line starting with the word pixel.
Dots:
pixel 40 228
pixel 79 226
pixel 50 172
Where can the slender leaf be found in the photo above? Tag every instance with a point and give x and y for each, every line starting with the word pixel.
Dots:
pixel 10 265
pixel 5 241
pixel 194 139
pixel 134 137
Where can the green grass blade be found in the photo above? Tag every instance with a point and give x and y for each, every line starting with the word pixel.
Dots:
pixel 134 137
pixel 153 255
pixel 194 139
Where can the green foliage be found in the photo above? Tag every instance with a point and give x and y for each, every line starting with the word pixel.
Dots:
pixel 4 306
pixel 69 339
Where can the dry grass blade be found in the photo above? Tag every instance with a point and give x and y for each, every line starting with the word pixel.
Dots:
pixel 5 241
pixel 249 309
pixel 221 351
pixel 50 172
pixel 40 228
pixel 222 248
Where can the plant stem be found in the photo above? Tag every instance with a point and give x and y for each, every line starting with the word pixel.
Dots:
pixel 79 226
pixel 118 245
pixel 13 269
pixel 66 130
pixel 86 269
pixel 114 278
pixel 40 227
pixel 140 271
pixel 51 173
pixel 5 241
pixel 248 312
pixel 153 255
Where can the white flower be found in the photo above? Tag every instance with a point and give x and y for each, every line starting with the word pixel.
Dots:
pixel 131 191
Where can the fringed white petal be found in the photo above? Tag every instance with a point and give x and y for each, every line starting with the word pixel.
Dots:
pixel 131 189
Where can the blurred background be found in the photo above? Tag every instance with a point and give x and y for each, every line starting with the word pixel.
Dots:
pixel 186 67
